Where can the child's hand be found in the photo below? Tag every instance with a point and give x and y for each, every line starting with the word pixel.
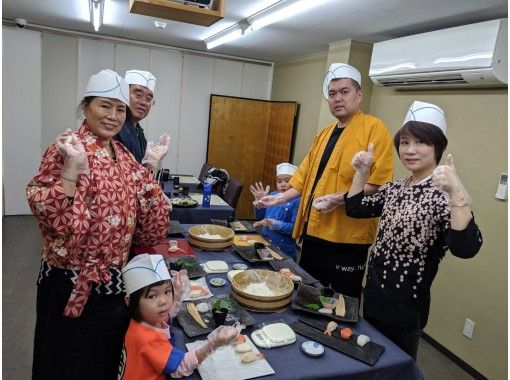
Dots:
pixel 265 222
pixel 182 286
pixel 222 336
pixel 258 191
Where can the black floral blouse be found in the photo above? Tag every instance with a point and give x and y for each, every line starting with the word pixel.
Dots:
pixel 413 236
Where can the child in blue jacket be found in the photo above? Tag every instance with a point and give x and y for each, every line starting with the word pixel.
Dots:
pixel 278 221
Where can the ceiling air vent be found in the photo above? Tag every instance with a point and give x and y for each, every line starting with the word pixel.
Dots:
pixel 449 80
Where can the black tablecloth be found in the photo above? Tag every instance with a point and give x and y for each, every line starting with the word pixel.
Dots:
pixel 289 362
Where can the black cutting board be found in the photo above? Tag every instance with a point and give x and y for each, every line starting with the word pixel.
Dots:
pixel 309 295
pixel 191 264
pixel 368 354
pixel 295 268
pixel 222 222
pixel 175 228
pixel 249 253
pixel 192 328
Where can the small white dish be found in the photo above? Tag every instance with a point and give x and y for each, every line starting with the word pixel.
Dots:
pixel 216 281
pixel 312 348
pixel 240 266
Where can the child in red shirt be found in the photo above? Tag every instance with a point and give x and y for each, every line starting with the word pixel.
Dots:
pixel 148 350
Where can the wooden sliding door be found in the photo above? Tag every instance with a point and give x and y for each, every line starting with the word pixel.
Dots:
pixel 249 138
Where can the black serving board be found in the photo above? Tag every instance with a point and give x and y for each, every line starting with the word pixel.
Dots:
pixel 308 294
pixel 222 222
pixel 191 202
pixel 194 269
pixel 250 254
pixel 368 354
pixel 296 269
pixel 175 228
pixel 192 328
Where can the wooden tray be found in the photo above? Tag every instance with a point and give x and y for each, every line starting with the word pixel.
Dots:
pixel 247 225
pixel 192 328
pixel 238 240
pixel 295 268
pixel 308 294
pixel 191 264
pixel 368 354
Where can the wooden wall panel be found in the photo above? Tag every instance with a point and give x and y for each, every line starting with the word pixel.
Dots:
pixel 279 138
pixel 243 135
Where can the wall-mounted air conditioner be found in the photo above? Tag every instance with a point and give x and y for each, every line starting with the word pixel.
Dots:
pixel 469 55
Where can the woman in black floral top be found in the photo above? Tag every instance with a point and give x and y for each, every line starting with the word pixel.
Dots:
pixel 421 217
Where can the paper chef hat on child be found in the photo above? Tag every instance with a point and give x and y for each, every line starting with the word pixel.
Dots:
pixel 142 78
pixel 426 113
pixel 108 84
pixel 337 71
pixel 144 270
pixel 285 168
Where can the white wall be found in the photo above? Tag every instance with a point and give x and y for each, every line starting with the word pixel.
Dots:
pixel 21 116
pixel 56 69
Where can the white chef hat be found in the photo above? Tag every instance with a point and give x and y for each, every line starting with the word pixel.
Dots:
pixel 285 169
pixel 337 71
pixel 142 78
pixel 427 113
pixel 108 84
pixel 144 270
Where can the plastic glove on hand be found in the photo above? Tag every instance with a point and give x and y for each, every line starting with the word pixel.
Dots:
pixel 181 286
pixel 155 152
pixel 269 200
pixel 445 177
pixel 75 158
pixel 265 222
pixel 222 336
pixel 362 161
pixel 327 203
pixel 258 191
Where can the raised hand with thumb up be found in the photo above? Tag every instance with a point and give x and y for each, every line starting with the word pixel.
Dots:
pixel 445 177
pixel 362 161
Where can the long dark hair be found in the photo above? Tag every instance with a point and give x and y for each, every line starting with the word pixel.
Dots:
pixel 133 308
pixel 426 132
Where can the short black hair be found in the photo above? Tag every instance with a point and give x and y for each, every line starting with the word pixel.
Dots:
pixel 426 132
pixel 133 309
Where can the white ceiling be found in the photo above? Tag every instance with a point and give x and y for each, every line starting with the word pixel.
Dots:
pixel 335 20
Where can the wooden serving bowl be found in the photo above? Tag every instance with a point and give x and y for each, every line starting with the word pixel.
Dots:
pixel 196 237
pixel 281 286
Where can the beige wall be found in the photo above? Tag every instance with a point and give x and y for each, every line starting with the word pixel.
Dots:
pixel 300 80
pixel 477 132
pixel 477 288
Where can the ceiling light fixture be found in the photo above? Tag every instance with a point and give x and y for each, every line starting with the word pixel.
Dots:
pixel 96 13
pixel 230 34
pixel 280 11
pixel 274 13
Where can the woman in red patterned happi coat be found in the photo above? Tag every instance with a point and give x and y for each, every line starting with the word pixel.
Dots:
pixel 92 200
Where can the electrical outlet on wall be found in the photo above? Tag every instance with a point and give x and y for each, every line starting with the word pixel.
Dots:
pixel 469 328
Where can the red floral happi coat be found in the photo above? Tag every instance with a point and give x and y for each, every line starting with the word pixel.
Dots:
pixel 116 204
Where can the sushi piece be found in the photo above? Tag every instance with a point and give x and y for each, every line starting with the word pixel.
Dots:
pixel 340 306
pixel 203 307
pixel 325 310
pixel 243 348
pixel 345 333
pixel 330 328
pixel 362 340
pixel 251 356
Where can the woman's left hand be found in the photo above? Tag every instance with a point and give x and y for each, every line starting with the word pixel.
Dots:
pixel 155 152
pixel 445 177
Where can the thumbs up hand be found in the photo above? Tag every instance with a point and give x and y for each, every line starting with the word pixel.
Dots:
pixel 445 177
pixel 362 161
